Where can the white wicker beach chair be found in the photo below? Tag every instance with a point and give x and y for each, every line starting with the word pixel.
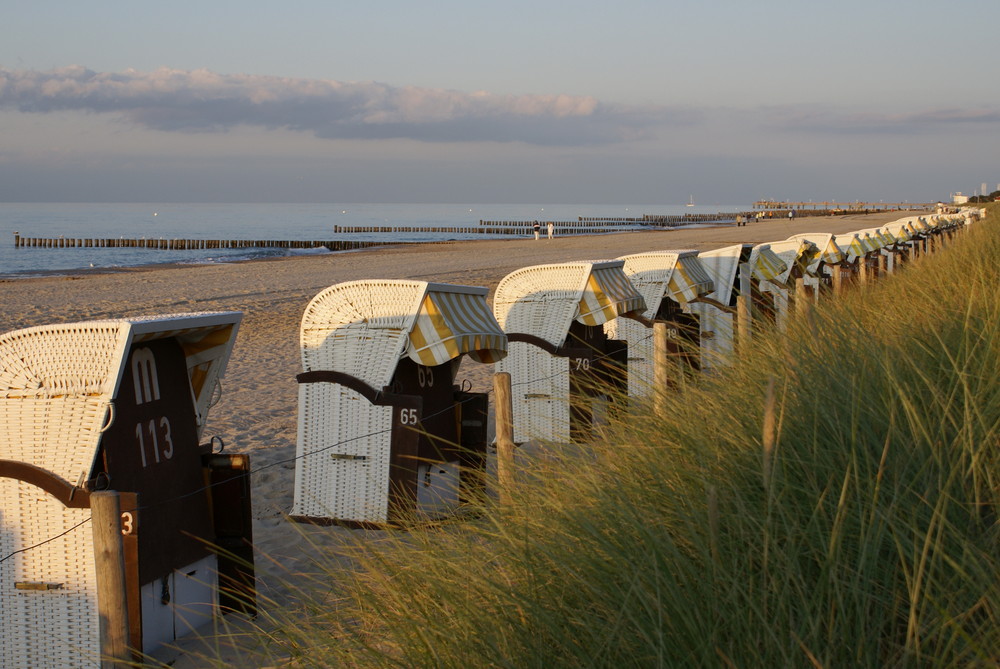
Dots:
pixel 668 281
pixel 74 401
pixel 798 255
pixel 822 265
pixel 553 316
pixel 377 405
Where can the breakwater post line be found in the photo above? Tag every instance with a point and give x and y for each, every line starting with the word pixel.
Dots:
pixel 190 244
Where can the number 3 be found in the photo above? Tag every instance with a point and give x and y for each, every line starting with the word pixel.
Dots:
pixel 128 522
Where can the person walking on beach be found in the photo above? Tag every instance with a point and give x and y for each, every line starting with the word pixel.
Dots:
pixel 537 228
pixel 552 229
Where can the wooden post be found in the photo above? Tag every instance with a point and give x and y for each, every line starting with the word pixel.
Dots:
pixel 504 415
pixel 744 324
pixel 801 297
pixel 836 280
pixel 109 558
pixel 661 369
pixel 863 270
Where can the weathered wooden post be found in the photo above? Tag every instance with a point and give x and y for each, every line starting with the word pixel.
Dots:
pixel 109 558
pixel 744 315
pixel 504 410
pixel 661 369
pixel 801 297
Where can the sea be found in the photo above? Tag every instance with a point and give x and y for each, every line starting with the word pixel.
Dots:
pixel 255 221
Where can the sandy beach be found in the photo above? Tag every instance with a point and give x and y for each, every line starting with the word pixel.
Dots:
pixel 257 413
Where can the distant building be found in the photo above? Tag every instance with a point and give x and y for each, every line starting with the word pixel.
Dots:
pixel 958 198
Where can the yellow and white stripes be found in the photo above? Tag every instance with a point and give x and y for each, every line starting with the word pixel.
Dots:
pixel 608 294
pixel 450 324
pixel 689 280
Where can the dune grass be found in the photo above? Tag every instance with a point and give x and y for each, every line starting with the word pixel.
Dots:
pixel 853 525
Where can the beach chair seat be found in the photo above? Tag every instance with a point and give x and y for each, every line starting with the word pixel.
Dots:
pixel 378 408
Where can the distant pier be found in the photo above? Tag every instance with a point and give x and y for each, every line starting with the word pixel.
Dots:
pixel 839 207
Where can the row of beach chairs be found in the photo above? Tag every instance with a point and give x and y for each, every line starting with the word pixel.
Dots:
pixel 384 432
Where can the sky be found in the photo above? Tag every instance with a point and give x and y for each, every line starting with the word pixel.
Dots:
pixel 583 102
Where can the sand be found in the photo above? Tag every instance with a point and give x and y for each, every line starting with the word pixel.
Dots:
pixel 257 413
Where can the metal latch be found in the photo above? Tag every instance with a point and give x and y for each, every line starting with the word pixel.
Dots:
pixel 347 456
pixel 37 585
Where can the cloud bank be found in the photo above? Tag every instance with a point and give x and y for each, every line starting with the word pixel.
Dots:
pixel 908 123
pixel 204 101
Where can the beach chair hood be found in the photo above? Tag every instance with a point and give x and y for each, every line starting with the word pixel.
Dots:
pixel 766 265
pixel 543 300
pixel 676 275
pixel 829 251
pixel 852 246
pixel 364 328
pixel 797 254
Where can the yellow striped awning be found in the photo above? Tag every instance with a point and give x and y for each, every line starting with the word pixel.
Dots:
pixel 806 257
pixel 766 265
pixel 873 242
pixel 853 246
pixel 832 253
pixel 689 280
pixel 453 321
pixel 607 295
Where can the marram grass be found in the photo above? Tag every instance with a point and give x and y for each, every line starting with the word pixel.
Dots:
pixel 858 530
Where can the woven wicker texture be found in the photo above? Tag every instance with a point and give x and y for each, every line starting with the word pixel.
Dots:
pixel 335 426
pixel 46 628
pixel 360 328
pixel 539 393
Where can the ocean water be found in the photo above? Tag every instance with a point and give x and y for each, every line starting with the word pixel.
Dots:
pixel 253 221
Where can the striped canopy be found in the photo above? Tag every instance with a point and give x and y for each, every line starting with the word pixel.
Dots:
pixel 853 246
pixel 452 321
pixel 765 265
pixel 689 279
pixel 827 250
pixel 607 295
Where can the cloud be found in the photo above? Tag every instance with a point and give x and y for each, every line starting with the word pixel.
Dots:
pixel 203 101
pixel 919 122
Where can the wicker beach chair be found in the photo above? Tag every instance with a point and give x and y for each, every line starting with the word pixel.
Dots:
pixel 668 282
pixel 377 405
pixel 799 256
pixel 822 265
pixel 74 404
pixel 554 317
pixel 765 281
